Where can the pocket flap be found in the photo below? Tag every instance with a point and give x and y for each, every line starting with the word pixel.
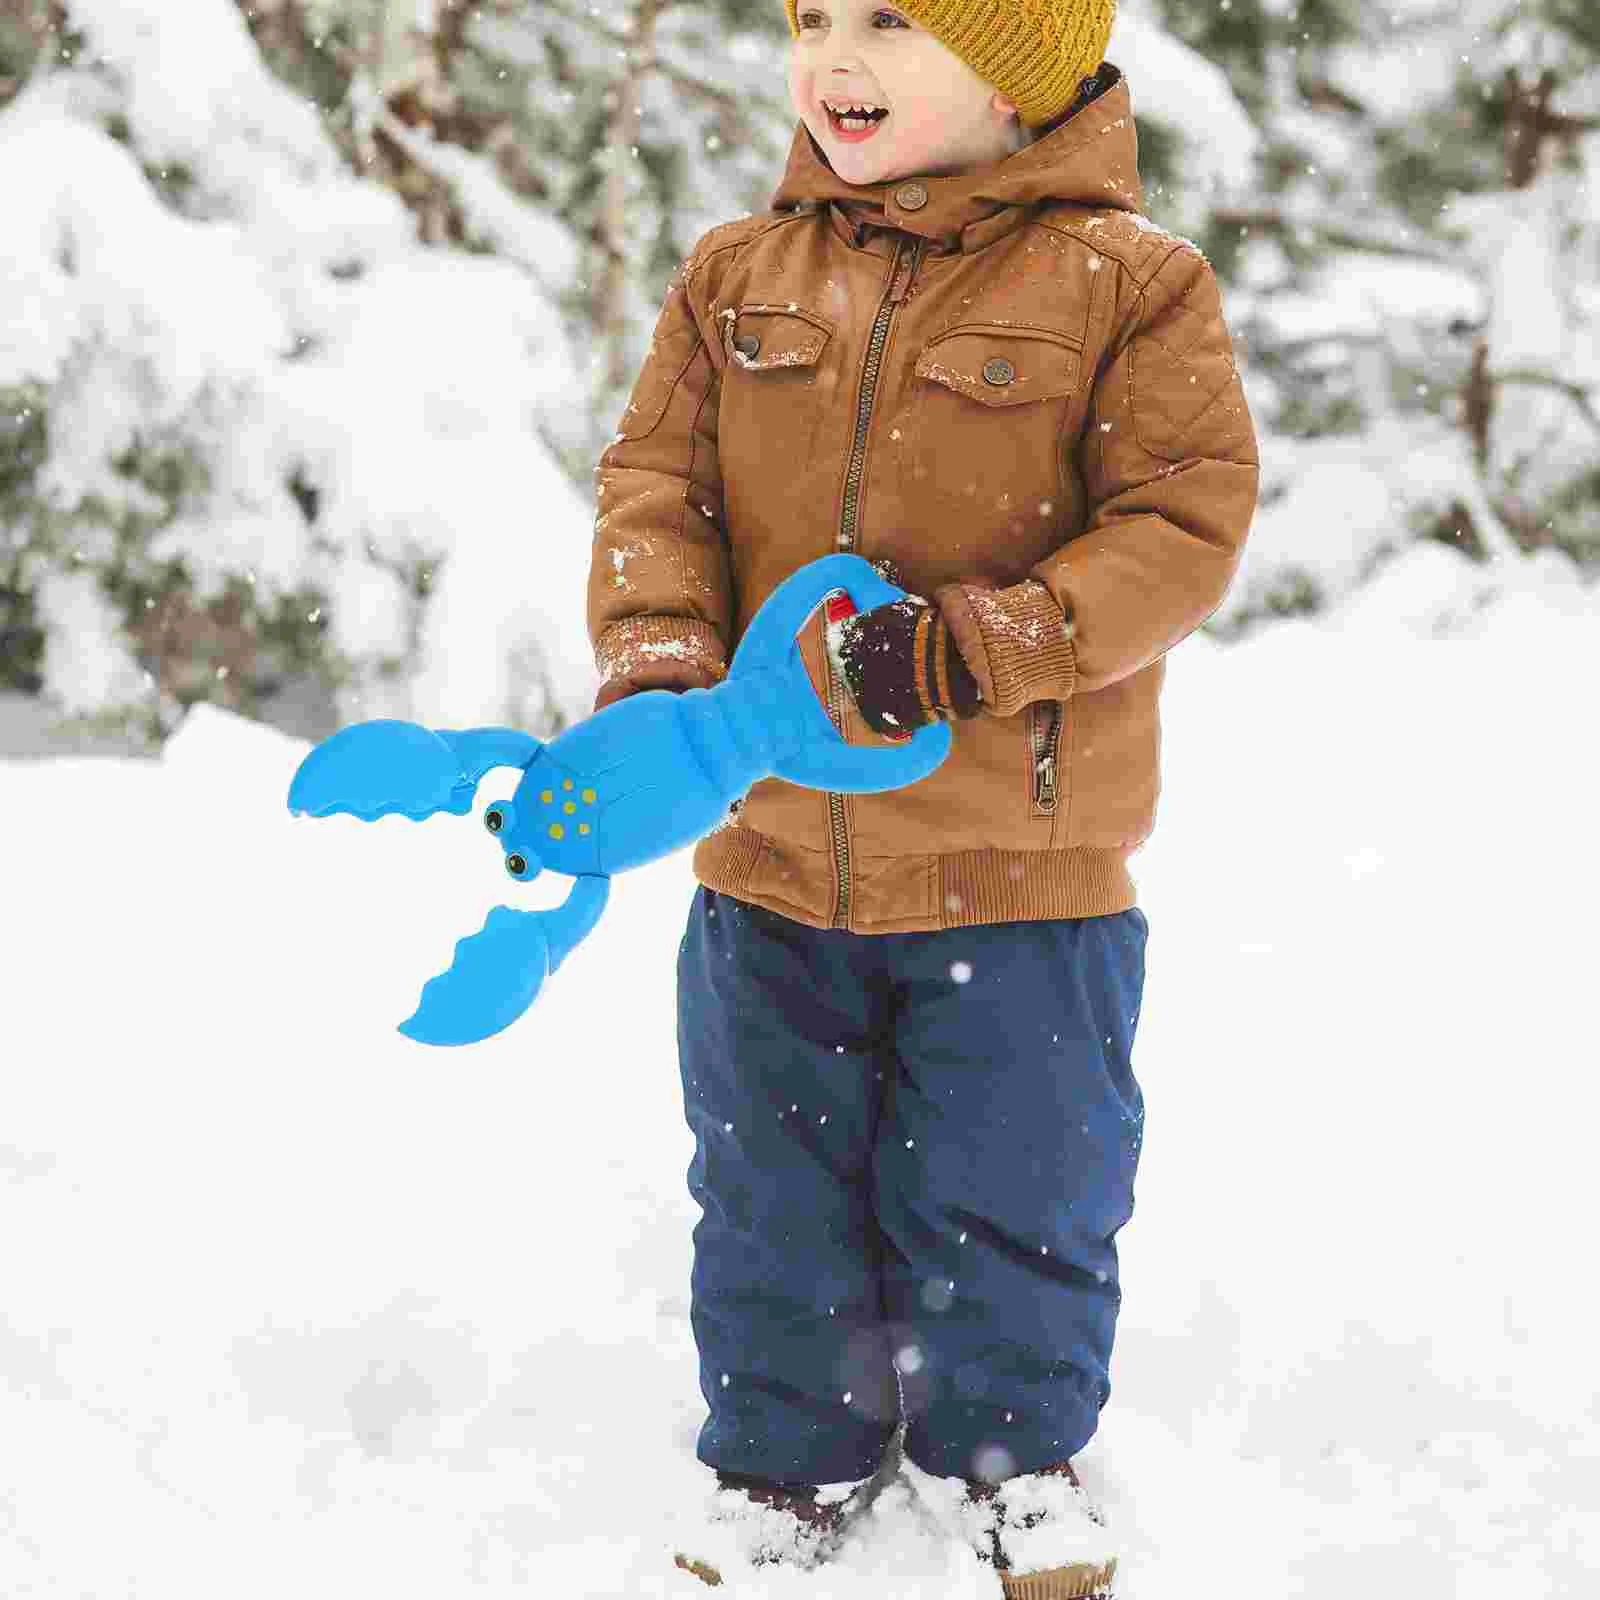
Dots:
pixel 1001 364
pixel 760 337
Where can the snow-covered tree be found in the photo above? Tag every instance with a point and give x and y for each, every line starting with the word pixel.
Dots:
pixel 634 124
pixel 1413 277
pixel 325 330
pixel 253 427
pixel 319 313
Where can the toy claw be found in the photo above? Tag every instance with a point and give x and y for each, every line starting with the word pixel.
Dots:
pixel 379 768
pixel 646 776
pixel 497 972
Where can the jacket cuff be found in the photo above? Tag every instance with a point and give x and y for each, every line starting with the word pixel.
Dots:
pixel 662 644
pixel 1017 641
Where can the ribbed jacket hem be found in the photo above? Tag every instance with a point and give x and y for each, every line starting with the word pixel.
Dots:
pixel 962 888
pixel 1025 885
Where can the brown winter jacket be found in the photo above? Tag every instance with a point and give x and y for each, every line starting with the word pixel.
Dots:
pixel 1022 394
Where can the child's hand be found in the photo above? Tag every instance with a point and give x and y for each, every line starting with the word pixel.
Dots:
pixel 903 667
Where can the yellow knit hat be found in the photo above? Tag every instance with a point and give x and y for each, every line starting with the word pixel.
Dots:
pixel 1035 52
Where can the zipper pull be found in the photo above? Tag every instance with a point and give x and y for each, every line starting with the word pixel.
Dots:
pixel 905 271
pixel 1044 789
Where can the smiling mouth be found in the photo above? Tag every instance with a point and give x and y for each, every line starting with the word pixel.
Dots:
pixel 854 127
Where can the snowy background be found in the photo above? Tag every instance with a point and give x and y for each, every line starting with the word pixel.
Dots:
pixel 237 367
pixel 291 1305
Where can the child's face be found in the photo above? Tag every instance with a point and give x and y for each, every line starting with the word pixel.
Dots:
pixel 942 116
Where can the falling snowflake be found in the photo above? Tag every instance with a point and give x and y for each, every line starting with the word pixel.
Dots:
pixel 992 1463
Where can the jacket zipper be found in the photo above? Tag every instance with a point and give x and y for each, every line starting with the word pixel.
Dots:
pixel 905 268
pixel 1046 731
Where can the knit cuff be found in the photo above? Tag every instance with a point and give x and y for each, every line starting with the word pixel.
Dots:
pixel 659 652
pixel 1017 641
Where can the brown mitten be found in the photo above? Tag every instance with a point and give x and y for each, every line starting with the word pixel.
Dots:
pixel 903 667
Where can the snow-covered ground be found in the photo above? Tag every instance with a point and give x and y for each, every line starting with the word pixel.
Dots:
pixel 293 1306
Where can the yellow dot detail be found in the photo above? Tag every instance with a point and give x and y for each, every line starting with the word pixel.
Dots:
pixel 566 783
pixel 588 797
pixel 569 807
pixel 546 796
pixel 556 830
pixel 583 827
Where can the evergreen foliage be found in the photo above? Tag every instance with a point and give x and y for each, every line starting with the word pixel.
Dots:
pixel 1407 253
pixel 1455 145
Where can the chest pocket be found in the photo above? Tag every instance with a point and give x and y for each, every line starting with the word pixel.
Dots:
pixel 768 338
pixel 775 387
pixel 990 406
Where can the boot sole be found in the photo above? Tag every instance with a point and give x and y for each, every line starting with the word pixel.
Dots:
pixel 705 1573
pixel 826 1547
pixel 1060 1583
pixel 820 1552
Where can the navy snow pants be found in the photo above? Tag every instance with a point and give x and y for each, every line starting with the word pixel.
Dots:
pixel 913 1152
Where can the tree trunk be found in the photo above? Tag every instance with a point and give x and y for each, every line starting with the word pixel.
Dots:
pixel 1527 124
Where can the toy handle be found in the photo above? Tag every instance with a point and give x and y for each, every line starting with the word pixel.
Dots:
pixel 783 613
pixel 833 764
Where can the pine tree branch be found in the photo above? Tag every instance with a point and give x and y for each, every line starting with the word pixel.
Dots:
pixel 1575 392
pixel 654 61
pixel 1408 246
pixel 1286 350
pixel 431 155
pixel 599 29
pixel 692 85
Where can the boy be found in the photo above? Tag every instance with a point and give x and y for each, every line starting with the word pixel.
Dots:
pixel 953 346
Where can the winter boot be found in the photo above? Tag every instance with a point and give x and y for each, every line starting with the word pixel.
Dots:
pixel 770 1524
pixel 1042 1535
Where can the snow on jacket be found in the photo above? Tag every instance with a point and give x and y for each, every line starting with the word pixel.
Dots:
pixel 1019 392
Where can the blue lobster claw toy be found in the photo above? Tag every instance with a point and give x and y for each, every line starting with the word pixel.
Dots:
pixel 646 776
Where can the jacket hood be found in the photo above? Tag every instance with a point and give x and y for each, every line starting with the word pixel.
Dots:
pixel 1089 157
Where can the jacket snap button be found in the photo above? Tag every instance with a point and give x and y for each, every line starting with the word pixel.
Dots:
pixel 912 196
pixel 998 372
pixel 747 345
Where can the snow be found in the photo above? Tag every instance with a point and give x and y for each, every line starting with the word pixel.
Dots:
pixel 1171 83
pixel 1335 509
pixel 1364 297
pixel 280 319
pixel 294 1305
